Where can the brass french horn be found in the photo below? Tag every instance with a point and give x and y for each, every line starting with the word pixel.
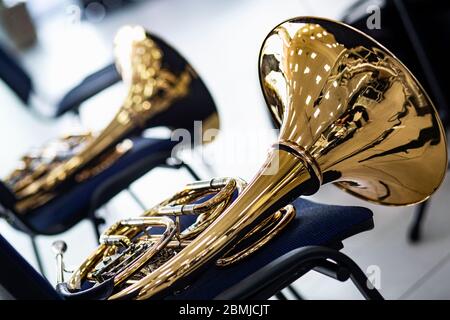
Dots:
pixel 163 90
pixel 131 249
pixel 349 113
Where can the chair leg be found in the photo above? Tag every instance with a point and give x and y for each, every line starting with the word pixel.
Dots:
pixel 181 164
pixel 136 199
pixel 294 292
pixel 96 222
pixel 96 228
pixel 280 296
pixel 361 282
pixel 191 171
pixel 37 254
pixel 283 271
pixel 415 229
pixel 345 268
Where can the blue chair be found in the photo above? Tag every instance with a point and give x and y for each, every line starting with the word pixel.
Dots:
pixel 78 200
pixel 83 199
pixel 15 76
pixel 19 81
pixel 317 231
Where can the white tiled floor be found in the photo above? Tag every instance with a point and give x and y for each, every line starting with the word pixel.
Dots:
pixel 221 39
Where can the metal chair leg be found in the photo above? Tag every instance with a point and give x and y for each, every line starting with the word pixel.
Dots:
pixel 280 296
pixel 136 199
pixel 294 292
pixel 360 280
pixel 181 164
pixel 96 222
pixel 191 171
pixel 415 229
pixel 344 268
pixel 283 271
pixel 37 254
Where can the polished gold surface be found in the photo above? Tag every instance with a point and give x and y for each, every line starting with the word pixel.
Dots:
pixel 259 236
pixel 355 108
pixel 129 251
pixel 349 112
pixel 152 89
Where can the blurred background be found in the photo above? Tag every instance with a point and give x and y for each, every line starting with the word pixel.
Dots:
pixel 60 42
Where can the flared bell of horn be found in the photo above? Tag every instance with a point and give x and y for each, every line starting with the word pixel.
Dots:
pixel 146 63
pixel 353 107
pixel 163 90
pixel 349 112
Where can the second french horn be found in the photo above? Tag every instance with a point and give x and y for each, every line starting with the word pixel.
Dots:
pixel 163 90
pixel 349 113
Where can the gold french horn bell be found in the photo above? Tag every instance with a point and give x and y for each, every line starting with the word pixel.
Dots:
pixel 354 109
pixel 349 112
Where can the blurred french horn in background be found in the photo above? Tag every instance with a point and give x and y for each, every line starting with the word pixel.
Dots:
pixel 349 113
pixel 163 90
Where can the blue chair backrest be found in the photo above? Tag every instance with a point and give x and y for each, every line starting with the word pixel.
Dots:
pixel 12 73
pixel 7 198
pixel 87 88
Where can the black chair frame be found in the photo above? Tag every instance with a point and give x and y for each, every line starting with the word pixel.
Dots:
pixel 270 280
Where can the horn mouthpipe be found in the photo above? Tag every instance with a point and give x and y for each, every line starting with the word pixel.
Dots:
pixel 206 184
pixel 227 185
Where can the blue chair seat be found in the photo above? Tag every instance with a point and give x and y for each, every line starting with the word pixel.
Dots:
pixel 315 224
pixel 71 206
